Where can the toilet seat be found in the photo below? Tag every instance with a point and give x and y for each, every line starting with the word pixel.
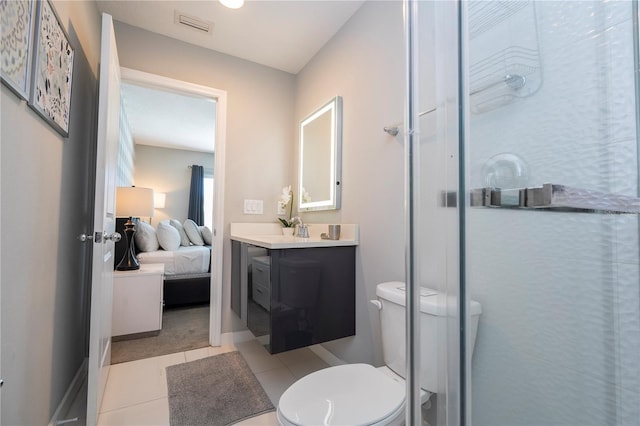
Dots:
pixel 352 394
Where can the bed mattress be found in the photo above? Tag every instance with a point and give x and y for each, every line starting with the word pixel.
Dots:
pixel 185 260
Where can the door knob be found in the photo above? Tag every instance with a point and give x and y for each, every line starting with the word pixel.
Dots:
pixel 84 237
pixel 99 237
pixel 115 237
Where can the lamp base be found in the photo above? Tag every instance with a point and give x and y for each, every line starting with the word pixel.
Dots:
pixel 129 261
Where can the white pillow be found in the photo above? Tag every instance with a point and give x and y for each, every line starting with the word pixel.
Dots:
pixel 168 236
pixel 184 239
pixel 146 239
pixel 191 228
pixel 207 236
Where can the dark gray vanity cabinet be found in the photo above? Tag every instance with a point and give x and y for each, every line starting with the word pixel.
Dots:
pixel 310 298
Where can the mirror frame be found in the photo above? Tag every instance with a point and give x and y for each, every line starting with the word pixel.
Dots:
pixel 335 139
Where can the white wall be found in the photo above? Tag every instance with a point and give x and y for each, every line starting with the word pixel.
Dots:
pixel 363 63
pixel 167 170
pixel 260 111
pixel 558 340
pixel 46 202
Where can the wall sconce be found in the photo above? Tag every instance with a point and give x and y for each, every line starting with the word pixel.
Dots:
pixel 132 202
pixel 159 200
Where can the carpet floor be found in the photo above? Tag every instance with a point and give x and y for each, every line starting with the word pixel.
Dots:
pixel 183 329
pixel 215 391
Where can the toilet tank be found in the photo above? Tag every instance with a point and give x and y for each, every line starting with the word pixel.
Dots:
pixel 433 329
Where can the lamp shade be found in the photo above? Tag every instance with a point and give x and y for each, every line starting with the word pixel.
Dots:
pixel 132 201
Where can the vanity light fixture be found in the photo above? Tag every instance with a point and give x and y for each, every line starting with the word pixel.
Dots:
pixel 232 4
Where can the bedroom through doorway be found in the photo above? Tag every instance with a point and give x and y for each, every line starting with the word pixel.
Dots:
pixel 172 138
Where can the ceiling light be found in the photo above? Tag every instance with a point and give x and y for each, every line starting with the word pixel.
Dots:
pixel 232 4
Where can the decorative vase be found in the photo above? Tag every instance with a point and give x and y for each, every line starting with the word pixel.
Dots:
pixel 288 232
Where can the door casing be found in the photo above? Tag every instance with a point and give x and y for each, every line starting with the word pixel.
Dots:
pixel 154 81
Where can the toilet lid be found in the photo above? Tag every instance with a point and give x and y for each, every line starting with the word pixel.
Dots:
pixel 353 394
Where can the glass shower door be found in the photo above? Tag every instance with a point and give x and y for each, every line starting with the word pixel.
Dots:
pixel 550 99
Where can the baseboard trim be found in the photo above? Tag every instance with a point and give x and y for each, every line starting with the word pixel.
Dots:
pixel 326 356
pixel 236 337
pixel 70 395
pixel 246 335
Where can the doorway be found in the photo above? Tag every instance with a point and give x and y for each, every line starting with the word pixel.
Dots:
pixel 164 84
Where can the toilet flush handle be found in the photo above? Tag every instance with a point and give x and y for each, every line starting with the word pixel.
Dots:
pixel 377 303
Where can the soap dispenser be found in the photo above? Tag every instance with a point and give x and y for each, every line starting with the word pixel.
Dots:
pixel 303 230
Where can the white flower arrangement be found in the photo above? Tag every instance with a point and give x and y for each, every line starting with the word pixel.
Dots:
pixel 286 198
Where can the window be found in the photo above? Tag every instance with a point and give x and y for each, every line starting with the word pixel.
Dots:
pixel 208 202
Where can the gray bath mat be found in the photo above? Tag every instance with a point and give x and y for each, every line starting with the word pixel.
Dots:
pixel 218 390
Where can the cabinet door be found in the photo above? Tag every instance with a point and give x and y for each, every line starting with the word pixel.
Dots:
pixel 137 304
pixel 312 296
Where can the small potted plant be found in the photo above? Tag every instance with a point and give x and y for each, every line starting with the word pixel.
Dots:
pixel 286 198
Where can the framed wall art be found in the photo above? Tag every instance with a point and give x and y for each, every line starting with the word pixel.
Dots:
pixel 52 69
pixel 17 19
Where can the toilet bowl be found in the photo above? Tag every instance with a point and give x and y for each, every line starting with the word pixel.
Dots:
pixel 360 394
pixel 365 396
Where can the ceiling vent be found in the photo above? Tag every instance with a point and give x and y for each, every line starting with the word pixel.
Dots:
pixel 180 18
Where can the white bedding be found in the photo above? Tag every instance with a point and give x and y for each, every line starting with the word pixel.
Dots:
pixel 185 260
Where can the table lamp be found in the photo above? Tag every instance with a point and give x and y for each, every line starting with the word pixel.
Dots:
pixel 132 201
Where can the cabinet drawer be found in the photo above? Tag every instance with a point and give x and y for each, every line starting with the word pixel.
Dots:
pixel 262 296
pixel 261 275
pixel 261 271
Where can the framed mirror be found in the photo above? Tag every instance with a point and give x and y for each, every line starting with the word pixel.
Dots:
pixel 319 163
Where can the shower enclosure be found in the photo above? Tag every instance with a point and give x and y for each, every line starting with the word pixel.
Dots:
pixel 522 152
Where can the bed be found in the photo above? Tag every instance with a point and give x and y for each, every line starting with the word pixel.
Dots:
pixel 187 268
pixel 187 274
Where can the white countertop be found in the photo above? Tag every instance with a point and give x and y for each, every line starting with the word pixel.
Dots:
pixel 269 235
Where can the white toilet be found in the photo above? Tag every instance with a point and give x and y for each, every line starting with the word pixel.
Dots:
pixel 360 394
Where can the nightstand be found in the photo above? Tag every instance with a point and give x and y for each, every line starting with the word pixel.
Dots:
pixel 137 300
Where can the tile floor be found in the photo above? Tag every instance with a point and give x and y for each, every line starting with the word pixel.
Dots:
pixel 136 391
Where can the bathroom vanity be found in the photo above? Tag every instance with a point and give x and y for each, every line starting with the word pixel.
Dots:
pixel 293 292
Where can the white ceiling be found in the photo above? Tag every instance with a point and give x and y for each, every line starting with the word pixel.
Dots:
pixel 168 119
pixel 282 34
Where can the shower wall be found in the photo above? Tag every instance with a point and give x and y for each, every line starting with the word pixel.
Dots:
pixel 559 336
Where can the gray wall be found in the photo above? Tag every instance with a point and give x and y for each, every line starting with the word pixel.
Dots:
pixel 260 110
pixel 42 306
pixel 166 170
pixel 46 203
pixel 363 63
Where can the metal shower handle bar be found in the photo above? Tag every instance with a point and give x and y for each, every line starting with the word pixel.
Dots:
pixel 553 197
pixel 394 130
pixel 513 81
